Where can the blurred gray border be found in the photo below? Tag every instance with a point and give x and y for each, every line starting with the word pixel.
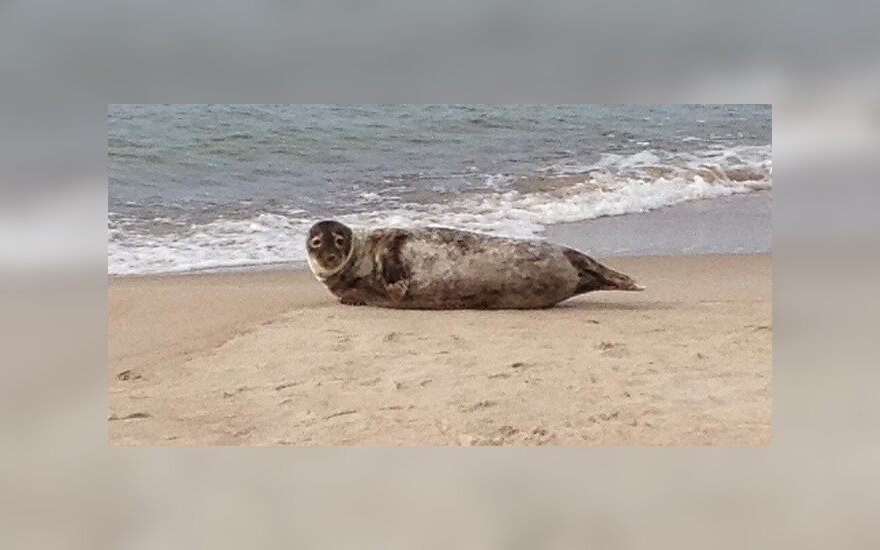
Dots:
pixel 62 63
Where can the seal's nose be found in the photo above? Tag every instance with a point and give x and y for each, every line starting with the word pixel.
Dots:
pixel 331 257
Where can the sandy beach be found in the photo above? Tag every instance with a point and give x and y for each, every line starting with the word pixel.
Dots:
pixel 270 358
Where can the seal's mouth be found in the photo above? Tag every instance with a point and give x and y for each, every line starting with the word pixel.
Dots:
pixel 329 261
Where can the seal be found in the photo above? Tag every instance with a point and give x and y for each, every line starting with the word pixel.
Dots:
pixel 442 268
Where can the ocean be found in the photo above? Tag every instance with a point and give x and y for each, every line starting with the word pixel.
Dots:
pixel 195 187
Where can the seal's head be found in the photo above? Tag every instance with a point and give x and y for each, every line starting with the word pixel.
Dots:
pixel 329 245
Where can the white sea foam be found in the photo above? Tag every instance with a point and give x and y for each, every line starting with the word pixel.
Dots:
pixel 615 184
pixel 265 239
pixel 497 181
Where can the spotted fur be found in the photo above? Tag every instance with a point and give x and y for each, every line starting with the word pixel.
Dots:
pixel 441 268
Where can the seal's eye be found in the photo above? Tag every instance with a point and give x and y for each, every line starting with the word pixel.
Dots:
pixel 339 241
pixel 315 242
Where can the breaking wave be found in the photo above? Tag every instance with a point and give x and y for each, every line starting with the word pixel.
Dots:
pixel 512 205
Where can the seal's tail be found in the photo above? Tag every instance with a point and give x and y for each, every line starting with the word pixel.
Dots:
pixel 618 281
pixel 595 276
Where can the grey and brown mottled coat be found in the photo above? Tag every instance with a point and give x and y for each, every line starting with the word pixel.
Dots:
pixel 441 268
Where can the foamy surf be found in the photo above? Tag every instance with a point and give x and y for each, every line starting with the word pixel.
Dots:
pixel 516 206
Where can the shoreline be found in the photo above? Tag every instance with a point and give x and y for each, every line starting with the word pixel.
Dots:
pixel 737 224
pixel 265 357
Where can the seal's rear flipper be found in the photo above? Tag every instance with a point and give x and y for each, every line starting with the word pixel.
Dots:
pixel 625 284
pixel 595 276
pixel 612 280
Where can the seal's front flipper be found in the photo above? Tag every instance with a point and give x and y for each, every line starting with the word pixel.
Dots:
pixel 397 291
pixel 393 274
pixel 353 297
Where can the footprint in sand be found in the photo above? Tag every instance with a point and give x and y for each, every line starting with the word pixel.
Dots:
pixel 603 417
pixel 479 406
pixel 518 367
pixel 342 343
pixel 128 375
pixel 236 391
pixel 510 435
pixel 132 416
pixel 397 408
pixel 340 413
pixel 612 349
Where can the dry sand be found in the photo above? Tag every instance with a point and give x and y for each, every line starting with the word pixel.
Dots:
pixel 265 358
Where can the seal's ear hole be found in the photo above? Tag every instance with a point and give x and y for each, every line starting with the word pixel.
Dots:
pixel 315 242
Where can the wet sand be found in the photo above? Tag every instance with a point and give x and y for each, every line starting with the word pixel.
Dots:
pixel 734 224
